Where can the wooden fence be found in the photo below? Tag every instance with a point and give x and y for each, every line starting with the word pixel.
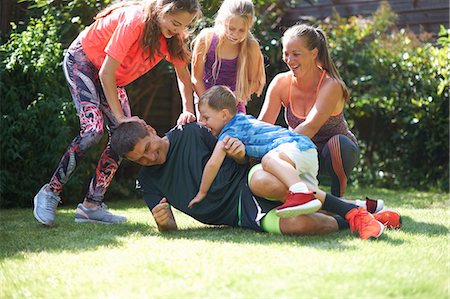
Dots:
pixel 417 15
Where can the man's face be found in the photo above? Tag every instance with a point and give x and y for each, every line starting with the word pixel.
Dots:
pixel 150 150
pixel 212 119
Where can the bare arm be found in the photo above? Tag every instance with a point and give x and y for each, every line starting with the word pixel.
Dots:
pixel 328 99
pixel 107 76
pixel 273 102
pixel 198 64
pixel 187 99
pixel 164 217
pixel 210 172
pixel 256 72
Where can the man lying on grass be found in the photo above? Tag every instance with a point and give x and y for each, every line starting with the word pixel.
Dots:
pixel 172 174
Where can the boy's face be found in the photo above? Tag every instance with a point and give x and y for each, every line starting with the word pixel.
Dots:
pixel 214 120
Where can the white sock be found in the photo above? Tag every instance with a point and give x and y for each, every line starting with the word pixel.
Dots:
pixel 299 188
pixel 361 203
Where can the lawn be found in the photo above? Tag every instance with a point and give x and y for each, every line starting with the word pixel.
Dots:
pixel 134 260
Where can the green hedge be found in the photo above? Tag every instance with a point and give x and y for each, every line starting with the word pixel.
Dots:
pixel 400 99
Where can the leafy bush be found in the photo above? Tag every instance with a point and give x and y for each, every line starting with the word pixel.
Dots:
pixel 38 116
pixel 399 106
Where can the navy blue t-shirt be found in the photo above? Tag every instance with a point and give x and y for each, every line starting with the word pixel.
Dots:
pixel 228 201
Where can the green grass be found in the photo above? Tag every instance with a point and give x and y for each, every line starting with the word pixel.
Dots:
pixel 134 260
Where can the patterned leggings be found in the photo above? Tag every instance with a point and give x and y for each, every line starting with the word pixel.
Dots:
pixel 93 110
pixel 337 159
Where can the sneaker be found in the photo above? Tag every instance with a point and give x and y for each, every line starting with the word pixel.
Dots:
pixel 365 223
pixel 99 214
pixel 45 204
pixel 389 218
pixel 371 205
pixel 298 204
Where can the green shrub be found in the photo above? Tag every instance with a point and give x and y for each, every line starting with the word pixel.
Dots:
pixel 399 106
pixel 38 116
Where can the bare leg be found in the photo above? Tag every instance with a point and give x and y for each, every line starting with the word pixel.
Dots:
pixel 312 224
pixel 279 164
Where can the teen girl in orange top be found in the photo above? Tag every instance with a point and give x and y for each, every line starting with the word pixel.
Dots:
pixel 125 41
pixel 313 95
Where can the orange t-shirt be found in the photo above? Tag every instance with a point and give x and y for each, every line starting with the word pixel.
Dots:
pixel 119 35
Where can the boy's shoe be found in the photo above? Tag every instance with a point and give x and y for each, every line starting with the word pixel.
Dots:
pixel 389 218
pixel 98 214
pixel 45 204
pixel 365 223
pixel 371 205
pixel 298 204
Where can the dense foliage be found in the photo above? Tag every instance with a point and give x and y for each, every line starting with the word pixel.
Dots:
pixel 399 106
pixel 400 99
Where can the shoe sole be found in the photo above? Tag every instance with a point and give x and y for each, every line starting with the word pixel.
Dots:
pixel 305 209
pixel 79 220
pixel 36 215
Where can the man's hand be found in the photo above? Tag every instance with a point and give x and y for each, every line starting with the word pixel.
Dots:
pixel 163 216
pixel 198 198
pixel 185 117
pixel 235 149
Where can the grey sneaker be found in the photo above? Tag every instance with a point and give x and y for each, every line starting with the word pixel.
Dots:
pixel 99 214
pixel 45 204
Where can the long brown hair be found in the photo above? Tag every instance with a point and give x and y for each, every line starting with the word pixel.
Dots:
pixel 316 38
pixel 153 9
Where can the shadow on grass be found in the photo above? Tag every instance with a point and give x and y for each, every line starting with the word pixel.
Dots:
pixel 19 236
pixel 423 228
pixel 224 234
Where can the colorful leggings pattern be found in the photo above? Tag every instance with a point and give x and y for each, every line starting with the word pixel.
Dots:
pixel 337 159
pixel 93 110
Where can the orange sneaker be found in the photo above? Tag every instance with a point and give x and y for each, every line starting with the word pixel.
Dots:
pixel 364 223
pixel 298 204
pixel 389 218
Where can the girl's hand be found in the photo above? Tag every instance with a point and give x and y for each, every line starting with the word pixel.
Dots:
pixel 185 117
pixel 130 119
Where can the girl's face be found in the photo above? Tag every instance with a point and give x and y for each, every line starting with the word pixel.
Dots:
pixel 212 119
pixel 297 56
pixel 174 23
pixel 236 30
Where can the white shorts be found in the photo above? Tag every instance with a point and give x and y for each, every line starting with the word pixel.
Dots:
pixel 306 162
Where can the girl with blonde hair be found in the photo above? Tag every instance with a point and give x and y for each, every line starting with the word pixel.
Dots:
pixel 228 54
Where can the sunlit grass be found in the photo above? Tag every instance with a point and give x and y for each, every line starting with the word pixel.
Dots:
pixel 134 260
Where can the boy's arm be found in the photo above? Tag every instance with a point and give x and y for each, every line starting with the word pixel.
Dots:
pixel 210 172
